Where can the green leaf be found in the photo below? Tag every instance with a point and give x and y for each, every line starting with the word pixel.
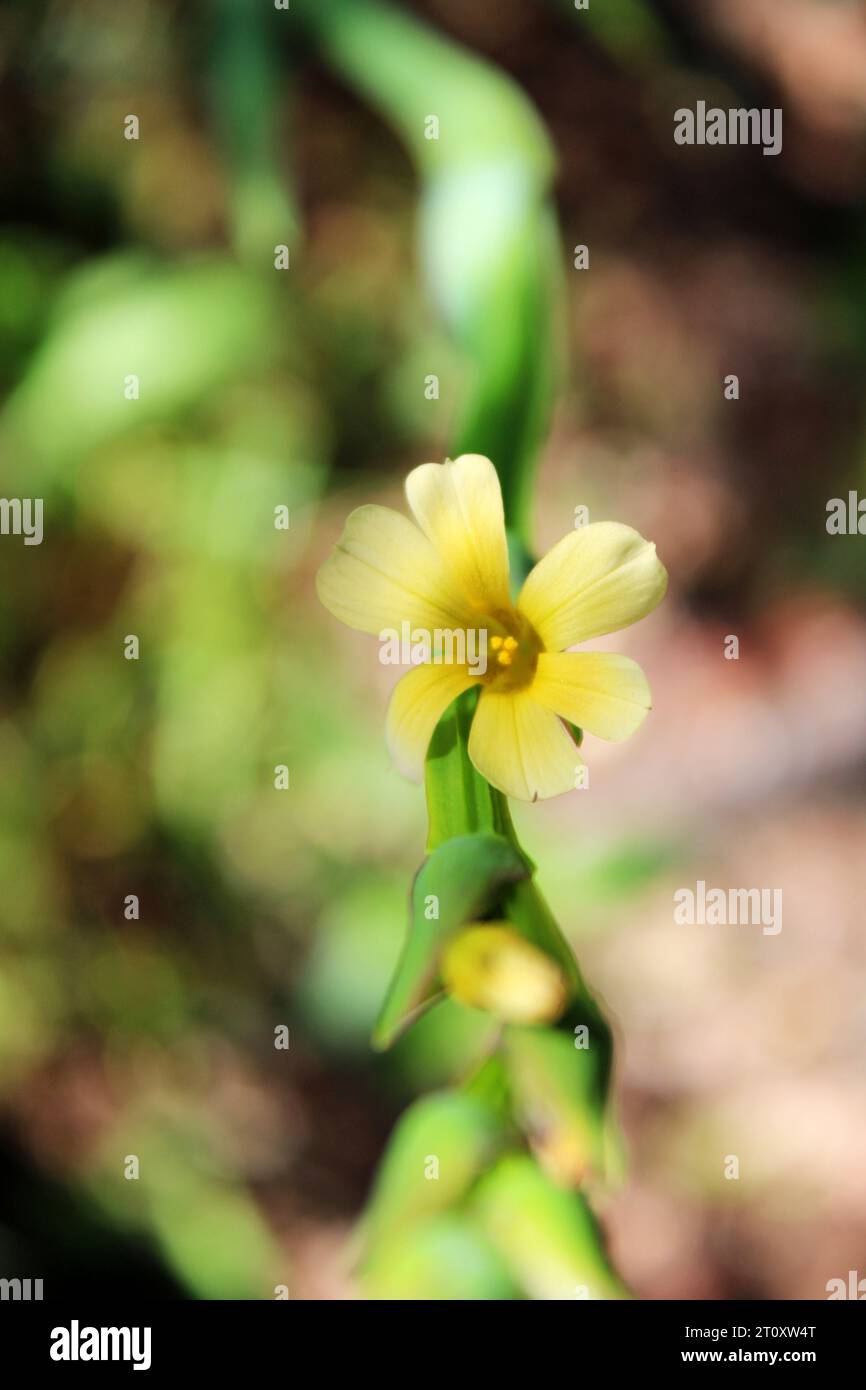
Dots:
pixel 182 330
pixel 504 323
pixel 197 1208
pixel 557 1099
pixel 457 1132
pixel 547 1236
pixel 248 80
pixel 628 29
pixel 398 62
pixel 487 231
pixel 490 1084
pixel 463 878
pixel 443 1258
pixel 526 909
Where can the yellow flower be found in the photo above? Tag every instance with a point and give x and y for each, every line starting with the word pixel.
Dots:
pixel 447 572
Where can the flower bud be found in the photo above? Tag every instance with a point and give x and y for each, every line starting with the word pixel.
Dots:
pixel 490 966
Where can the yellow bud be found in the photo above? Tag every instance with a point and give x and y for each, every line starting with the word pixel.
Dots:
pixel 492 967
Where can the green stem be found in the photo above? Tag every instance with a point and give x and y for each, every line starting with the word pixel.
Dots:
pixel 491 261
pixel 246 88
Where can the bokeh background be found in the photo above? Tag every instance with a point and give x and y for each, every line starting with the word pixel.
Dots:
pixel 306 388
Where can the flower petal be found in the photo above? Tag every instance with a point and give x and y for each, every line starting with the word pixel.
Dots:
pixel 599 578
pixel 384 572
pixel 606 694
pixel 521 747
pixel 417 704
pixel 458 505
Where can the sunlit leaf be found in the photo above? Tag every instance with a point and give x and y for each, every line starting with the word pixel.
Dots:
pixel 443 1258
pixel 438 1149
pixel 461 880
pixel 557 1099
pixel 546 1235
pixel 180 331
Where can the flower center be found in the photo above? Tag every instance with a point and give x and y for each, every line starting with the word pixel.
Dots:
pixel 512 652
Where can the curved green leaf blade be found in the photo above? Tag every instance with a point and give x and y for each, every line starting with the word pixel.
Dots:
pixel 444 1258
pixel 547 1235
pixel 555 1094
pixel 437 1150
pixel 461 881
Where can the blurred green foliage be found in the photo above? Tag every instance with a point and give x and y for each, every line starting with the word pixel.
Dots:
pixel 261 390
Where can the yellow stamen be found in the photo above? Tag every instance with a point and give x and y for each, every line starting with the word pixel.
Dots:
pixel 513 651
